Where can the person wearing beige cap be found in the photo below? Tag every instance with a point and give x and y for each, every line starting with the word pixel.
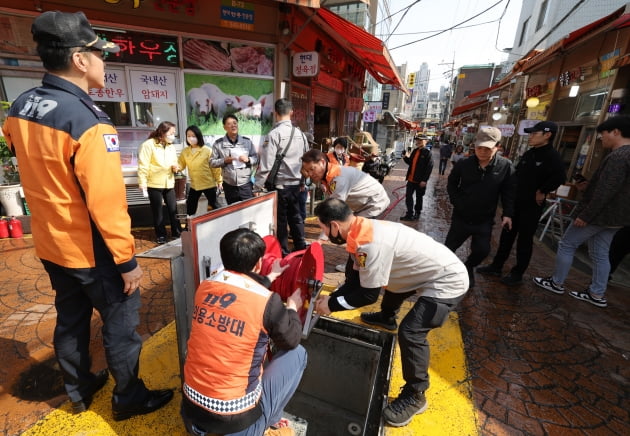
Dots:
pixel 69 156
pixel 475 186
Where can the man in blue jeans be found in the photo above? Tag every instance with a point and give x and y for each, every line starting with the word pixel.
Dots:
pixel 603 210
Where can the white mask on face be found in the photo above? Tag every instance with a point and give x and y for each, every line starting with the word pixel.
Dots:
pixel 339 151
pixel 192 140
pixel 170 138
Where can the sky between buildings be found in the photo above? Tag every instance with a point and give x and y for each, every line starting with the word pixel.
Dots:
pixel 479 40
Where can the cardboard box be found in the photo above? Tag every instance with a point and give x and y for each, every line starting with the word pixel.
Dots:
pixel 567 191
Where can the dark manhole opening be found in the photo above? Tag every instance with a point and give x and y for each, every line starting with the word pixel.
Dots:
pixel 40 382
pixel 346 381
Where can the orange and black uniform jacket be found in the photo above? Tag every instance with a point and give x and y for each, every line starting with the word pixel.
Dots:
pixel 69 160
pixel 233 319
pixel 420 165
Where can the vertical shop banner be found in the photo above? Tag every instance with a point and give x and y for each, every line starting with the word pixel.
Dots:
pixel 237 14
pixel 153 86
pixel 373 110
pixel 209 98
pixel 299 98
pixel 115 87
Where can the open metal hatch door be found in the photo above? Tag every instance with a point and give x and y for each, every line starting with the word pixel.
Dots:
pixel 202 259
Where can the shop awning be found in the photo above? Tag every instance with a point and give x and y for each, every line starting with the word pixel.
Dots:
pixel 467 107
pixel 621 22
pixel 574 36
pixel 408 125
pixel 367 49
pixel 501 84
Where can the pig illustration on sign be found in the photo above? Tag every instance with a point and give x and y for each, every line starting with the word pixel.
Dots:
pixel 266 106
pixel 222 103
pixel 249 107
pixel 199 103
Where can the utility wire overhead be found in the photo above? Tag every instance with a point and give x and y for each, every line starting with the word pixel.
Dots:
pixel 432 31
pixel 450 28
pixel 401 19
pixel 496 41
pixel 397 12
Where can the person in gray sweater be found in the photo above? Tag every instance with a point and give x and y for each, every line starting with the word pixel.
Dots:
pixel 603 210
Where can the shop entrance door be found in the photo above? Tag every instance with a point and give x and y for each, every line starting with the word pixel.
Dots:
pixel 322 123
pixel 568 146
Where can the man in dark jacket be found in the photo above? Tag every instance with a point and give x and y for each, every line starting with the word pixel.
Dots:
pixel 603 210
pixel 474 187
pixel 539 172
pixel 420 167
pixel 446 150
pixel 67 147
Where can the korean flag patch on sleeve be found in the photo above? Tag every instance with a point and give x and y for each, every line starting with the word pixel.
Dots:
pixel 111 142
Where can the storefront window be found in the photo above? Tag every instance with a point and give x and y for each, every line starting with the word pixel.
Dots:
pixel 591 103
pixel 117 111
pixel 14 86
pixel 113 99
pixel 154 97
pixel 152 114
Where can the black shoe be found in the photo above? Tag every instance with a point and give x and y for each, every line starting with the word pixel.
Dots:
pixel 402 410
pixel 415 217
pixel 407 217
pixel 512 279
pixel 161 240
pixel 376 318
pixel 489 270
pixel 100 379
pixel 155 400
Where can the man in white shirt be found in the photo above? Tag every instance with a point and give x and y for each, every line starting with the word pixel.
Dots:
pixel 407 263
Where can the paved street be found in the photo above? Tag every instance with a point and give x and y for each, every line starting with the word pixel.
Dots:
pixel 539 363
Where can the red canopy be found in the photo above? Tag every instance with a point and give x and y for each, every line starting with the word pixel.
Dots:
pixel 367 49
pixel 466 107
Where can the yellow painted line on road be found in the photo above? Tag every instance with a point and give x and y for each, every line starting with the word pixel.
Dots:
pixel 159 368
pixel 451 410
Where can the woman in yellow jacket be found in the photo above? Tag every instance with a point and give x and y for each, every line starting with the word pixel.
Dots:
pixel 203 179
pixel 157 165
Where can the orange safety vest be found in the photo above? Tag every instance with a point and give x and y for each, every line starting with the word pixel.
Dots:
pixel 227 344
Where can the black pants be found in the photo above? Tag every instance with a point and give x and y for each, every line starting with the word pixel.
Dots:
pixel 425 315
pixel 77 293
pixel 619 248
pixel 193 199
pixel 290 218
pixel 156 195
pixel 237 193
pixel 480 234
pixel 524 225
pixel 443 164
pixel 414 189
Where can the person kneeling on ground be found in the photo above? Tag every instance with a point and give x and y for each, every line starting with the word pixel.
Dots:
pixel 407 263
pixel 227 389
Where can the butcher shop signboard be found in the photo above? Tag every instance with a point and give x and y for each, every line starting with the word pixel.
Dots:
pixel 306 64
pixel 227 57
